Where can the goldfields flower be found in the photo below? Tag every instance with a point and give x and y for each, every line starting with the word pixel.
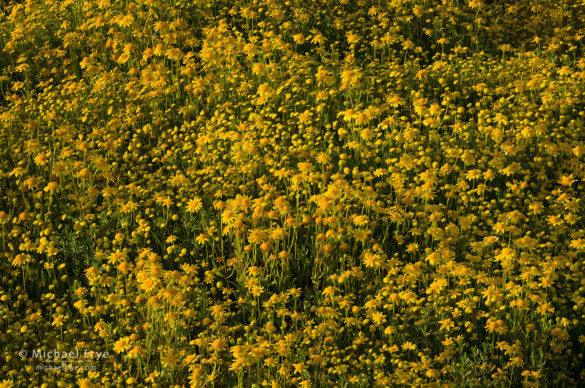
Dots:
pixel 360 220
pixel 52 187
pixel 19 260
pixel 58 321
pixel 194 205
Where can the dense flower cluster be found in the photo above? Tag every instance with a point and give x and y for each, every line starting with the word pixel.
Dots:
pixel 317 193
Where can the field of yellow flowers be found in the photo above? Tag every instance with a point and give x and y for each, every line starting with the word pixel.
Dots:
pixel 301 193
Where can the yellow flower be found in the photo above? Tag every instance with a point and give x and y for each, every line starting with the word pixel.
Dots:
pixel 58 321
pixel 555 220
pixel 52 187
pixel 372 260
pixel 446 325
pixel 201 239
pixel 395 101
pixel 31 182
pixel 218 344
pixel 409 346
pixel 378 318
pixel 148 284
pixel 17 172
pixel 329 291
pixel 19 260
pixel 194 205
pixel 578 244
pixel 121 345
pixel 85 383
pixel 84 173
pixel 566 180
pixel 257 291
pixel 299 368
pixel 299 38
pixel 152 376
pixel 116 257
pixel 353 38
pixel 360 220
pixel 41 159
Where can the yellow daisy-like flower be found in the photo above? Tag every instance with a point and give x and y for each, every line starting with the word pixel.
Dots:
pixel 329 291
pixel 19 260
pixel 194 205
pixel 201 239
pixel 121 345
pixel 85 383
pixel 360 220
pixel 148 284
pixel 52 187
pixel 58 321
